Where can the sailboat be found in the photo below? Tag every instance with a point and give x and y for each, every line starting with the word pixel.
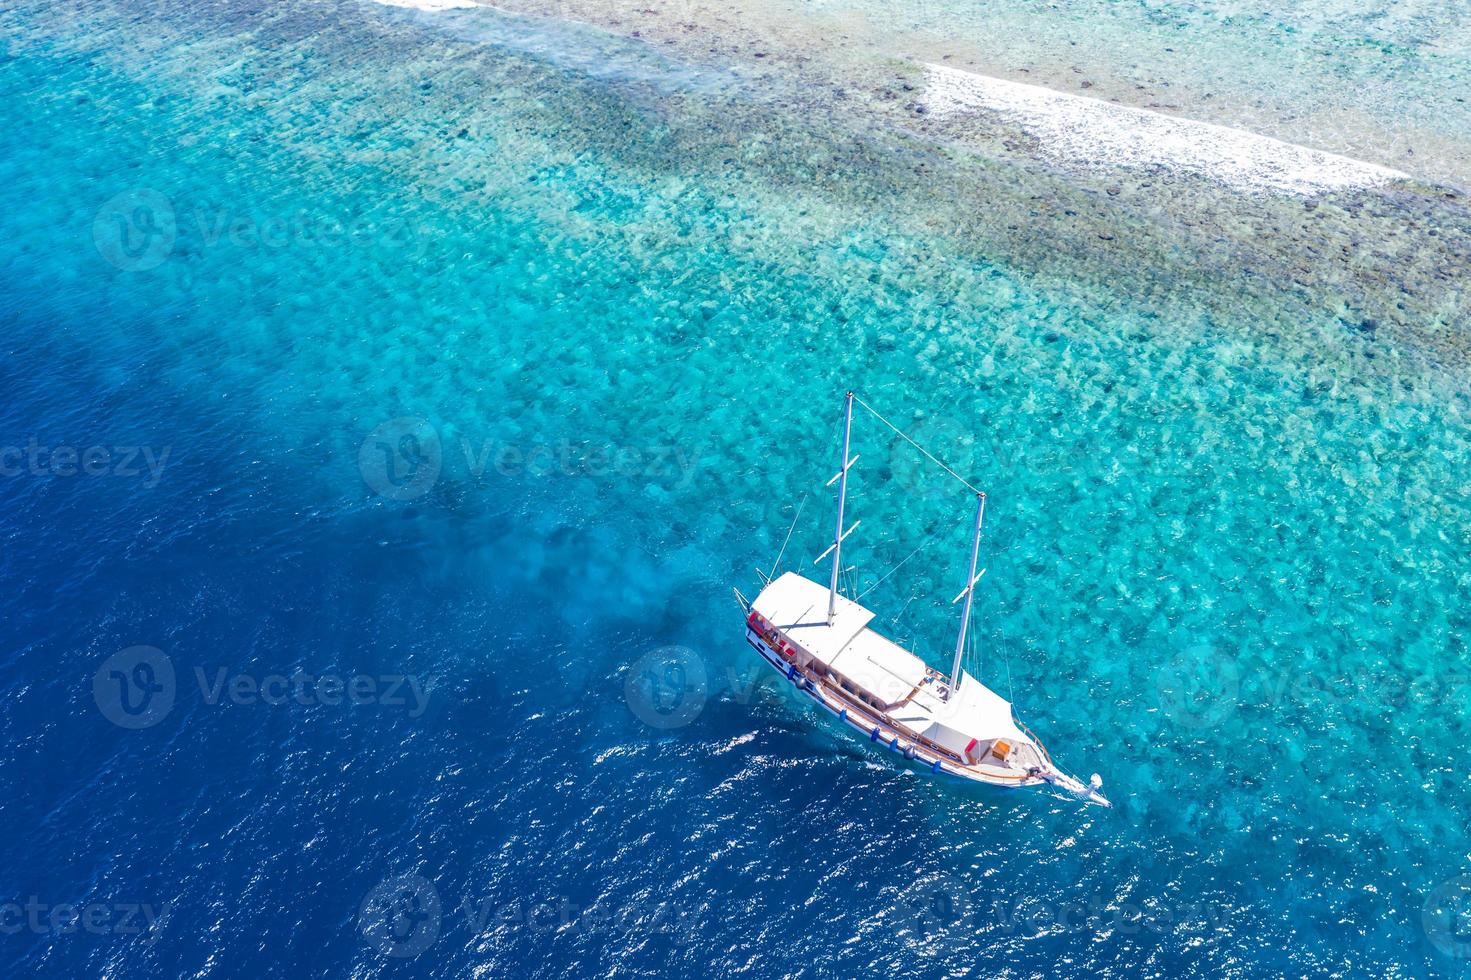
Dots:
pixel 951 724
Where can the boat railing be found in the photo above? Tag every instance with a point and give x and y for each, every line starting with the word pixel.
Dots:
pixel 832 686
pixel 1036 741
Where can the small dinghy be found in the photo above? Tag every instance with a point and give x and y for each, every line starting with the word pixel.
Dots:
pixel 946 724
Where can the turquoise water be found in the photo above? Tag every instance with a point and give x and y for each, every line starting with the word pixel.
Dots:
pixel 1227 554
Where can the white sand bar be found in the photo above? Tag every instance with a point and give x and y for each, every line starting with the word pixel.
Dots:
pixel 1091 132
pixel 429 4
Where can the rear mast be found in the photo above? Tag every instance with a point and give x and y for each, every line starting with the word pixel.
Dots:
pixel 969 593
pixel 842 480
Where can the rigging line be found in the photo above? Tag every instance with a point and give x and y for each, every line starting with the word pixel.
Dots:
pixel 929 540
pixel 788 538
pixel 891 571
pixel 1010 691
pixel 903 435
pixel 970 656
pixel 902 611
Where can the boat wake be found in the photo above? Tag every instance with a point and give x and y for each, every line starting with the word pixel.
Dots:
pixel 1094 133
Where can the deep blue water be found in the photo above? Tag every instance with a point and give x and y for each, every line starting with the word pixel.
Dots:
pixel 430 423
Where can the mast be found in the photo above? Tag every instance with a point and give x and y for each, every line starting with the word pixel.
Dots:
pixel 838 535
pixel 970 589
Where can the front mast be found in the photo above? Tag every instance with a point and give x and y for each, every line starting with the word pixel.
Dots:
pixel 970 590
pixel 838 535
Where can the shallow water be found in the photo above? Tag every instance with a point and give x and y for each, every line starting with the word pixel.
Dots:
pixel 1226 534
pixel 1386 83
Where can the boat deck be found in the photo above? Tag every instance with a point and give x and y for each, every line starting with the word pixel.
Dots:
pixel 857 667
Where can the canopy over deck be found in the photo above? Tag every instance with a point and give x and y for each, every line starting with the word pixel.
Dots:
pixel 798 607
pixel 973 712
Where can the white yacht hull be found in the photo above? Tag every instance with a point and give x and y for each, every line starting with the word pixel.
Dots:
pixel 1025 762
pixel 863 726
